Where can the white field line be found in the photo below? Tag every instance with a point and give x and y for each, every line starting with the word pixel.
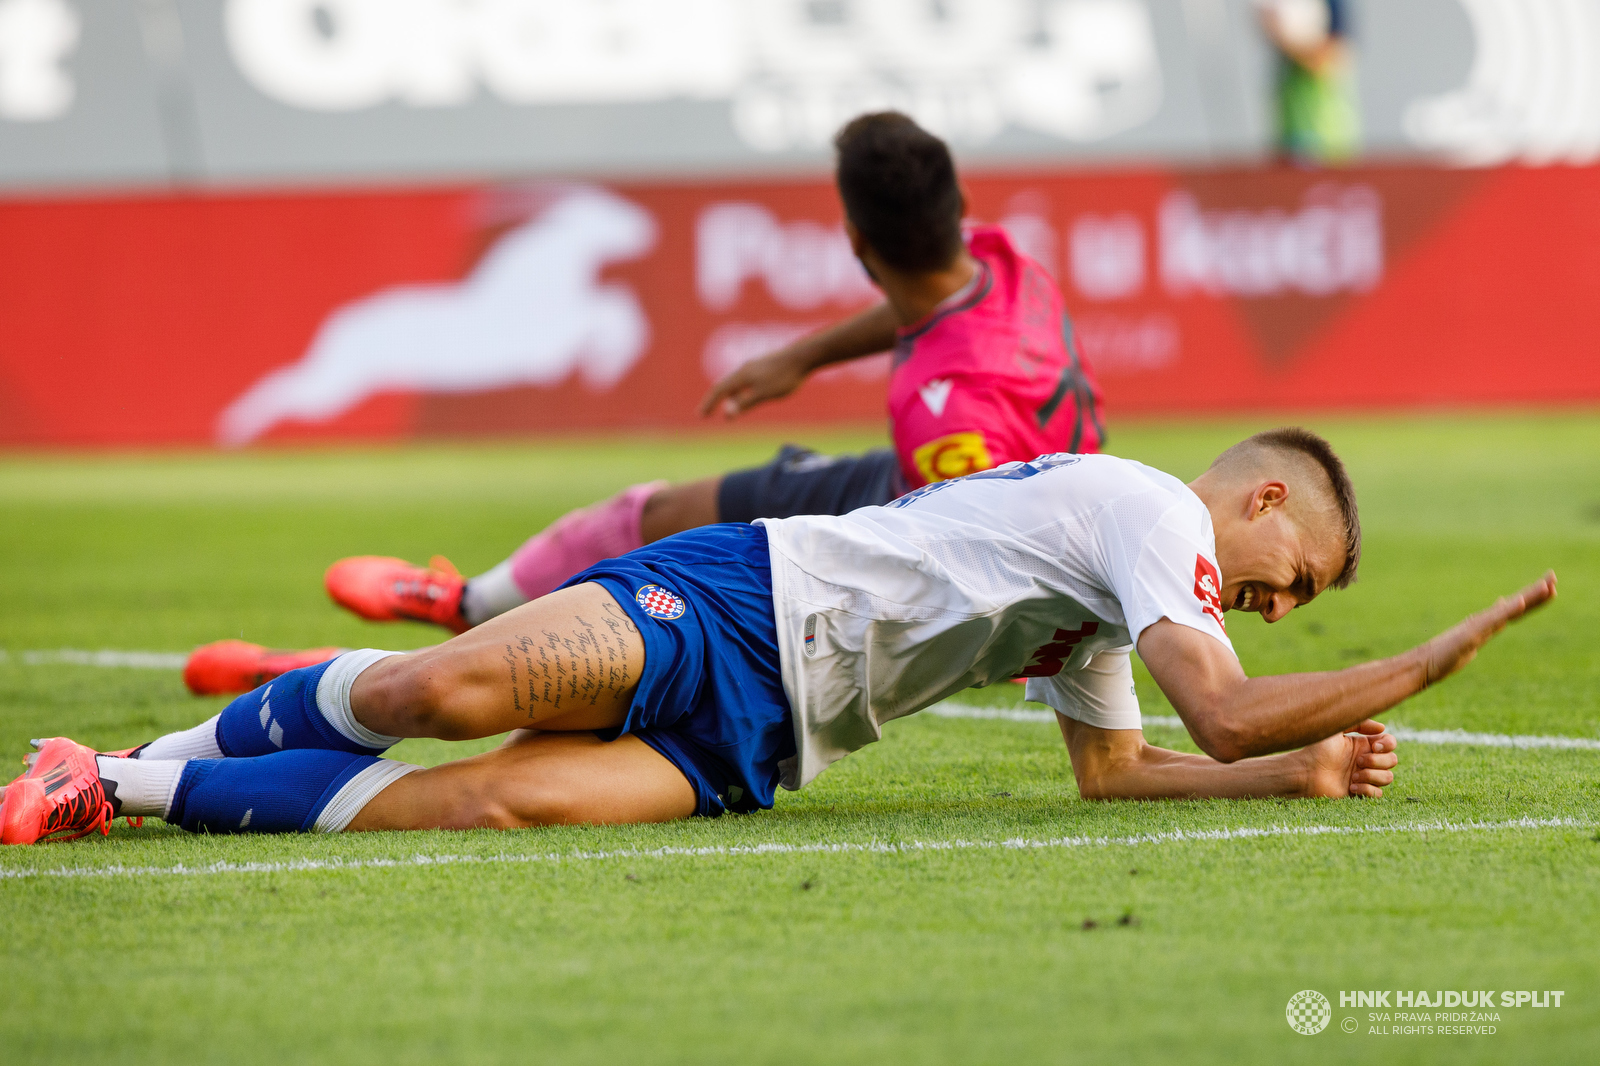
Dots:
pixel 165 660
pixel 1489 740
pixel 1400 732
pixel 141 660
pixel 909 847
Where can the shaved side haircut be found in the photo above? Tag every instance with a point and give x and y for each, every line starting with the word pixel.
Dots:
pixel 1311 452
pixel 898 184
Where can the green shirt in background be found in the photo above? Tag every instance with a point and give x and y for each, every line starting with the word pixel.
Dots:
pixel 1318 121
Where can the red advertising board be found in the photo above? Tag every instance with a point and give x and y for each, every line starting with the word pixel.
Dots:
pixel 383 314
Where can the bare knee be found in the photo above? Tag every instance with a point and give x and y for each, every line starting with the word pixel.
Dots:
pixel 679 507
pixel 413 696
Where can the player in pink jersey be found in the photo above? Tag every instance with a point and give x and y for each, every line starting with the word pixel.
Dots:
pixel 985 372
pixel 992 375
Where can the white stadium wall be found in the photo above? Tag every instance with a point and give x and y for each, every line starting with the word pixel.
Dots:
pixel 108 92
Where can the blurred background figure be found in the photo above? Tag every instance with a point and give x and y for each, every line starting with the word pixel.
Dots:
pixel 1318 120
pixel 250 223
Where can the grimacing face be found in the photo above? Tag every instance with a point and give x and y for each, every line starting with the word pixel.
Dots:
pixel 1271 558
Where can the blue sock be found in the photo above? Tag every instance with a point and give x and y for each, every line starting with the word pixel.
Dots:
pixel 279 793
pixel 283 715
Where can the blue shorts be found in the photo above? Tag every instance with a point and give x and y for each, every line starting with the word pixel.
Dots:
pixel 711 697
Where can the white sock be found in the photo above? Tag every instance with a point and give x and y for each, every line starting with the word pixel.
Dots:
pixel 491 593
pixel 333 697
pixel 145 787
pixel 197 743
pixel 359 791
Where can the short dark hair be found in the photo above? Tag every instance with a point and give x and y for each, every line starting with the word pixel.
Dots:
pixel 899 188
pixel 1296 439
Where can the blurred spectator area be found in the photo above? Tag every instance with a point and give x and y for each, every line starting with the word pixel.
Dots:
pixel 1318 118
pixel 149 92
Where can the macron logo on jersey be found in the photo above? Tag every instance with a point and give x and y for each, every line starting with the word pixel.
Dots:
pixel 936 394
pixel 1208 589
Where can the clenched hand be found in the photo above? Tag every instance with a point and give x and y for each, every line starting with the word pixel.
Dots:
pixel 1351 764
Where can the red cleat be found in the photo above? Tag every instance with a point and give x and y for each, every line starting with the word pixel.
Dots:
pixel 384 589
pixel 227 667
pixel 29 760
pixel 60 793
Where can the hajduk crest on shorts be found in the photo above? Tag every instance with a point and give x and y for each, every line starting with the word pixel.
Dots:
pixel 661 603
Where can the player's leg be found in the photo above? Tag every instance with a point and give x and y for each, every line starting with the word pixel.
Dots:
pixel 70 790
pixel 797 481
pixel 570 660
pixel 304 708
pixel 380 588
pixel 537 779
pixel 631 519
pixel 677 508
pixel 225 667
pixel 541 779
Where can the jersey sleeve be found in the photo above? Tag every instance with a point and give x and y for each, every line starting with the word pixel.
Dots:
pixel 1170 571
pixel 1101 694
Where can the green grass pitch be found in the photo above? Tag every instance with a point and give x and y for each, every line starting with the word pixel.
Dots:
pixel 591 945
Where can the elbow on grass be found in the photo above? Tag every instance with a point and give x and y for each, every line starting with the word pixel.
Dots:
pixel 1219 741
pixel 1206 718
pixel 1112 777
pixel 1095 787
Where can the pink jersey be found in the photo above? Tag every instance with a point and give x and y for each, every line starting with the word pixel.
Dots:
pixel 992 375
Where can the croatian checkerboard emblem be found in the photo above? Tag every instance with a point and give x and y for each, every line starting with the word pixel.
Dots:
pixel 659 603
pixel 1308 1012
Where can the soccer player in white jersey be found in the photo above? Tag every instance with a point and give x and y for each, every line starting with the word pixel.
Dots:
pixel 697 674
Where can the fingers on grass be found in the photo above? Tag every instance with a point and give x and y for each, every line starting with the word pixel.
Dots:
pixel 1378 761
pixel 1366 791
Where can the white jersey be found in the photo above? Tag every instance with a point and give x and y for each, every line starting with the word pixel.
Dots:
pixel 1047 570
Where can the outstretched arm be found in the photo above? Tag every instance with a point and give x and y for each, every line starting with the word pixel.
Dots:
pixel 1233 717
pixel 775 376
pixel 1118 764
